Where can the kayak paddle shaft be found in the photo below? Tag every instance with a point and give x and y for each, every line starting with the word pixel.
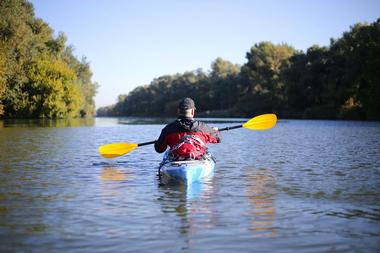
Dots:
pixel 229 128
pixel 145 143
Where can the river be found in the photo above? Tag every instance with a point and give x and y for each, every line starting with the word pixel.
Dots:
pixel 303 186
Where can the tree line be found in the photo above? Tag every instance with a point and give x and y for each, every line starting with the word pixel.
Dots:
pixel 339 81
pixel 39 75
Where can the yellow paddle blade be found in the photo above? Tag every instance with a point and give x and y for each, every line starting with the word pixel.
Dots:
pixel 261 122
pixel 116 149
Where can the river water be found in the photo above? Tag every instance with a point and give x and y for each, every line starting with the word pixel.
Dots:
pixel 303 186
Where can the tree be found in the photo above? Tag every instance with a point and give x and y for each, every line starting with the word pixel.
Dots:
pixel 307 87
pixel 261 77
pixel 53 91
pixel 223 83
pixel 39 75
pixel 339 81
pixel 3 73
pixel 359 52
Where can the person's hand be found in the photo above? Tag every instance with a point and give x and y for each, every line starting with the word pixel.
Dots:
pixel 217 135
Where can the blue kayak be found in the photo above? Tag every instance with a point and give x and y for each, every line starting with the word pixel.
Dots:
pixel 188 171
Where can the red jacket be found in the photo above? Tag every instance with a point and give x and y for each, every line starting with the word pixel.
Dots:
pixel 173 133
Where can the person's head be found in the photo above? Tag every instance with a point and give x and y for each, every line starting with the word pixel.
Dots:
pixel 186 107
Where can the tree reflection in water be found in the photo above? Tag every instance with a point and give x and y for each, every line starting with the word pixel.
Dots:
pixel 260 190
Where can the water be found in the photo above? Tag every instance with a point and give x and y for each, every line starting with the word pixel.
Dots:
pixel 304 186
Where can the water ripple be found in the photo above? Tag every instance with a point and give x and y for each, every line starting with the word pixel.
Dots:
pixel 305 186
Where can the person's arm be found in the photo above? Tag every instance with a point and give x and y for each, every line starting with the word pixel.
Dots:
pixel 212 133
pixel 160 145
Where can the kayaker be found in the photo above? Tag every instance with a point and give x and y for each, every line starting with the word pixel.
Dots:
pixel 186 137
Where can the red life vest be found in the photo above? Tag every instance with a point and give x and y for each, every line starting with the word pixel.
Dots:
pixel 188 147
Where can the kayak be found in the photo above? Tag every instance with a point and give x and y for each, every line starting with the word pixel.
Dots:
pixel 188 171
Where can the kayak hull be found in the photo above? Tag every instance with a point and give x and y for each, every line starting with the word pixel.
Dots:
pixel 187 172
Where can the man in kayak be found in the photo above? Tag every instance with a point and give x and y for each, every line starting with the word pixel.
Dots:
pixel 186 137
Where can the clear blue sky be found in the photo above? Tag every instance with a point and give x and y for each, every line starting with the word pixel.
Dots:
pixel 130 42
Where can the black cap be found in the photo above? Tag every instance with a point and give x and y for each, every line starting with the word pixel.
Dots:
pixel 186 104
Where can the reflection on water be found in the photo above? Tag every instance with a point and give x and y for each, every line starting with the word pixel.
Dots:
pixel 371 214
pixel 17 193
pixel 70 122
pixel 189 203
pixel 112 174
pixel 304 186
pixel 115 183
pixel 261 194
pixel 191 191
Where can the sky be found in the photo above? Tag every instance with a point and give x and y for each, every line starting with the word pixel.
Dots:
pixel 128 43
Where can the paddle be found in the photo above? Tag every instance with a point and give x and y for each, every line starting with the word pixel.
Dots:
pixel 261 122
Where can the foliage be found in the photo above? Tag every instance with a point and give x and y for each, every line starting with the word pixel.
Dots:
pixel 39 75
pixel 341 81
pixel 338 81
pixel 263 88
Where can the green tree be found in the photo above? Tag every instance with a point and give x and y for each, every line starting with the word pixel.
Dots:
pixel 84 75
pixel 307 84
pixel 358 54
pixel 339 81
pixel 224 85
pixel 3 73
pixel 39 76
pixel 263 89
pixel 53 91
